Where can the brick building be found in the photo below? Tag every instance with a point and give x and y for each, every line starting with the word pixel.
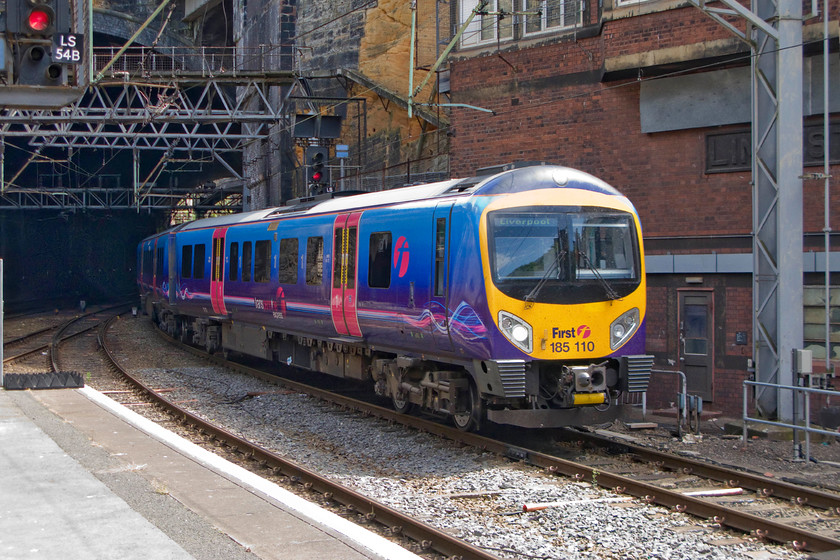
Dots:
pixel 654 97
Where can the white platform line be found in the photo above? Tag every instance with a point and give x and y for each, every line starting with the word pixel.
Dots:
pixel 367 539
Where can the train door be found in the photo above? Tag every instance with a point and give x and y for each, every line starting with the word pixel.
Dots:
pixel 172 262
pixel 439 306
pixel 344 284
pixel 697 341
pixel 217 272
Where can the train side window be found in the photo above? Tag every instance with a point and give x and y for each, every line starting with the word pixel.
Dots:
pixel 262 261
pixel 315 261
pixel 247 257
pixel 338 256
pixel 379 268
pixel 440 257
pixel 159 263
pixel 233 272
pixel 351 258
pixel 186 261
pixel 287 268
pixel 147 263
pixel 198 261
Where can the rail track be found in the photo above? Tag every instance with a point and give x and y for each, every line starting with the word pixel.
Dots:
pixel 397 523
pixel 45 341
pixel 763 520
pixel 770 495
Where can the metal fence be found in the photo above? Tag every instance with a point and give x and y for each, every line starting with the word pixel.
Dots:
pixel 799 393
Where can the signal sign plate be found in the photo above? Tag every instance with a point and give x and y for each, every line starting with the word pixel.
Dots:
pixel 67 48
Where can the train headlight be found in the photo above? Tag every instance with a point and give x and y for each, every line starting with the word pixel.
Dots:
pixel 517 331
pixel 623 328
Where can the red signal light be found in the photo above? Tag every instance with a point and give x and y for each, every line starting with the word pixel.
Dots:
pixel 316 176
pixel 38 20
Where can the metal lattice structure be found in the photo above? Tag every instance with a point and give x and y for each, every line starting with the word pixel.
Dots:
pixel 774 34
pixel 172 110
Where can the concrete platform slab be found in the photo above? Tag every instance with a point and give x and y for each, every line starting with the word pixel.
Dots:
pixel 265 520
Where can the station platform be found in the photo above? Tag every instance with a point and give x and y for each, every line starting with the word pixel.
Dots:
pixel 82 477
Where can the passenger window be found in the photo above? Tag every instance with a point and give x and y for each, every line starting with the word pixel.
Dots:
pixel 262 261
pixel 247 257
pixel 287 268
pixel 233 271
pixel 198 261
pixel 315 261
pixel 159 263
pixel 147 263
pixel 379 269
pixel 186 261
pixel 440 257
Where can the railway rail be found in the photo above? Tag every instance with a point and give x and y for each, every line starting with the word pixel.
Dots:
pixel 724 515
pixel 37 342
pixel 441 542
pixel 398 523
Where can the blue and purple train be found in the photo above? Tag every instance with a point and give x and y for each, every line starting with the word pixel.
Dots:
pixel 516 298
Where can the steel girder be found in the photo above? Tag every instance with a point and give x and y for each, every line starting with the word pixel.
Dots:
pixel 208 121
pixel 151 116
pixel 774 33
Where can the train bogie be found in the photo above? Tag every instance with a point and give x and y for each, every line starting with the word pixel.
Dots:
pixel 518 298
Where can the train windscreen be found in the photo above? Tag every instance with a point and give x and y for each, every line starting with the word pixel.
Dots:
pixel 563 255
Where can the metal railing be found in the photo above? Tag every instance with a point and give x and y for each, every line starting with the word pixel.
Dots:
pixel 806 427
pixel 203 61
pixel 689 407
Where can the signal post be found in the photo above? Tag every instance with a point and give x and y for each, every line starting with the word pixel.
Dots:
pixel 41 50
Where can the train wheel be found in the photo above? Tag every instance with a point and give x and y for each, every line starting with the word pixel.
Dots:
pixel 403 406
pixel 185 335
pixel 471 419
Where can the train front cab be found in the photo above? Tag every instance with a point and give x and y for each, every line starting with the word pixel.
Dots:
pixel 565 286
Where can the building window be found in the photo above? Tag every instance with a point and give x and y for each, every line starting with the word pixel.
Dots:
pixel 500 23
pixel 552 15
pixel 489 27
pixel 379 269
pixel 315 261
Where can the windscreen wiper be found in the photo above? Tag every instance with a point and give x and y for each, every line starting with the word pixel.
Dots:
pixel 559 256
pixel 611 293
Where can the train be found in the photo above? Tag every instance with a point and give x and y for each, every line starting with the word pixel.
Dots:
pixel 513 297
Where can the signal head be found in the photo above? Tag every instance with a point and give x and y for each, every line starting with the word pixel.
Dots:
pixel 39 20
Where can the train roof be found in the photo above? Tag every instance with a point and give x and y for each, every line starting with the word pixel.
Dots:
pixel 510 181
